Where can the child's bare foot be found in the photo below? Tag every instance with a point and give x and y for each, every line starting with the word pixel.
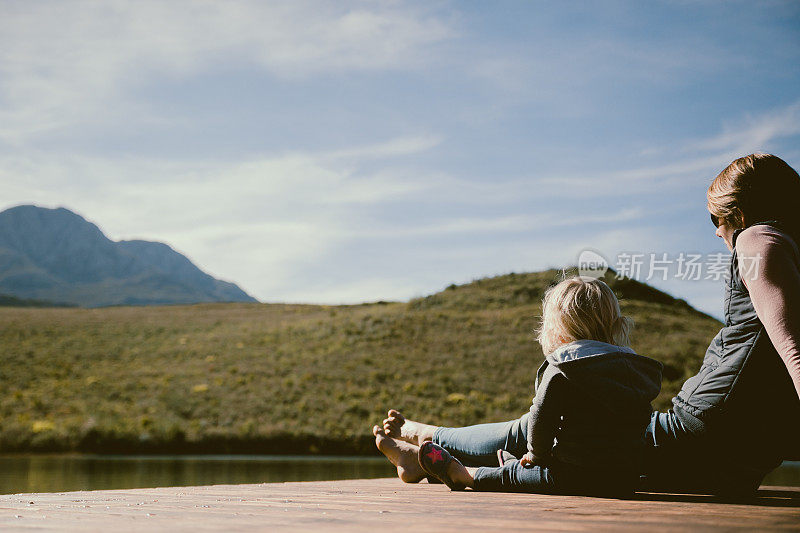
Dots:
pixel 398 427
pixel 401 454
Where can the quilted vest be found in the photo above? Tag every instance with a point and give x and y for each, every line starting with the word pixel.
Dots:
pixel 742 400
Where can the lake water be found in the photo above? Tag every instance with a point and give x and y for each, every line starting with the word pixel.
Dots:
pixel 59 473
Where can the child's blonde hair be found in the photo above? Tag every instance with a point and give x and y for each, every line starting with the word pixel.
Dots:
pixel 582 308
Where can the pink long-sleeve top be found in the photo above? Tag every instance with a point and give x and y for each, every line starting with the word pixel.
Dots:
pixel 769 263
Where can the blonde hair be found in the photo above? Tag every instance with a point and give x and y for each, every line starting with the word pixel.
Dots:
pixel 755 188
pixel 581 308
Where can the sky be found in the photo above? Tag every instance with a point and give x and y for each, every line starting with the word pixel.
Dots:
pixel 351 151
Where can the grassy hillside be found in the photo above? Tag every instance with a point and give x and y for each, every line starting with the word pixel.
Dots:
pixel 295 378
pixel 12 301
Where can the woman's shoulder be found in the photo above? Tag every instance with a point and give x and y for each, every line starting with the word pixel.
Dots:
pixel 763 239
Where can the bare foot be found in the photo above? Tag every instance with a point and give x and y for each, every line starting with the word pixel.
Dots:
pixel 401 454
pixel 398 427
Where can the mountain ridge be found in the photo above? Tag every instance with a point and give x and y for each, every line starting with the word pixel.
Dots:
pixel 57 255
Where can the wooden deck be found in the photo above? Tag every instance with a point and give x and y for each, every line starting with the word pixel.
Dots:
pixel 384 505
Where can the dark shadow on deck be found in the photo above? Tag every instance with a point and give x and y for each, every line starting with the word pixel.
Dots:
pixel 763 498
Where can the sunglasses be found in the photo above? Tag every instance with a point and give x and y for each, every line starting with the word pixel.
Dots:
pixel 715 220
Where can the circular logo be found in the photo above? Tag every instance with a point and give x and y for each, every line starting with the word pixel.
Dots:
pixel 591 264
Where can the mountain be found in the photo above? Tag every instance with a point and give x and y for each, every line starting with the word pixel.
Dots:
pixel 57 255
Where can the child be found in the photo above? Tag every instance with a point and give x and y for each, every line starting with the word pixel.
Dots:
pixel 591 407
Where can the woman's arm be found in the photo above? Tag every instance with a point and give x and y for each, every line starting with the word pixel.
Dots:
pixel 769 264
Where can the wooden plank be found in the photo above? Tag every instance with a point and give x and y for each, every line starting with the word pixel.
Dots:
pixel 360 505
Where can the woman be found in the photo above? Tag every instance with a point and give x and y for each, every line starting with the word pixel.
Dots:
pixel 739 417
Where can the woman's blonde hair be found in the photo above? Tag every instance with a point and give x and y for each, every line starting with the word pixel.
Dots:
pixel 755 188
pixel 581 308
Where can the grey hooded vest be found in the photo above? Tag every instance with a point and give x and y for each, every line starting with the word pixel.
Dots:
pixel 743 398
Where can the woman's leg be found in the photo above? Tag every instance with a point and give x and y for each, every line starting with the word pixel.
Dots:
pixel 675 460
pixel 670 461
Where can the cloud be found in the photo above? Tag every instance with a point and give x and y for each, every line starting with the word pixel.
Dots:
pixel 708 157
pixel 395 147
pixel 755 132
pixel 647 179
pixel 70 63
pixel 361 290
pixel 281 213
pixel 278 212
pixel 505 224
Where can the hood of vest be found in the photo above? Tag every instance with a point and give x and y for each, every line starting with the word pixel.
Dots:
pixel 615 376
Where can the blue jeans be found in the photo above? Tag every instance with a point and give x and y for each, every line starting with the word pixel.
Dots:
pixel 676 460
pixel 478 445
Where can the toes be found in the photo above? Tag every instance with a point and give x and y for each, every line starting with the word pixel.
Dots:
pixel 391 427
pixel 377 431
pixel 395 414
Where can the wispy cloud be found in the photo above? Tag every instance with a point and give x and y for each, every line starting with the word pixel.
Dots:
pixel 700 159
pixel 754 132
pixel 278 211
pixel 394 147
pixel 79 62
